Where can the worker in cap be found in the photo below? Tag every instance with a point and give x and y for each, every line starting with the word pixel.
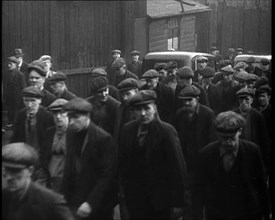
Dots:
pixel 58 86
pixel 150 74
pixel 22 66
pixel 116 51
pixel 219 75
pixel 171 79
pixel 240 65
pixel 250 80
pixel 251 67
pixel 227 72
pixel 135 65
pixel 231 54
pixel 185 72
pixel 201 64
pixel 149 131
pixel 227 149
pixel 109 69
pixel 160 67
pixel 128 84
pixel 241 77
pixel 13 83
pixel 56 144
pixel 264 69
pixel 105 107
pixel 244 92
pixel 98 72
pixel 93 148
pixel 239 51
pixel 47 59
pixel 189 91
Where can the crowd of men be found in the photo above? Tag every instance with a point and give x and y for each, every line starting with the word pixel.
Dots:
pixel 168 143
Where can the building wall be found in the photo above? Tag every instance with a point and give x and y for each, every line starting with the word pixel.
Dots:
pixel 187 33
pixel 158 35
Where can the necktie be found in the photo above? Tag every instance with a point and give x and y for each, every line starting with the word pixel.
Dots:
pixel 228 160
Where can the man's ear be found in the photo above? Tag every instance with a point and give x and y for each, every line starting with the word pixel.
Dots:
pixel 30 169
pixel 240 131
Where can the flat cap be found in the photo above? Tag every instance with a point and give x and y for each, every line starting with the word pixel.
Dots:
pixel 98 84
pixel 244 92
pixel 213 48
pixel 239 49
pixel 134 52
pixel 38 66
pixel 228 69
pixel 45 58
pixel 263 80
pixel 18 52
pixel 250 59
pixel 159 66
pixel 116 51
pixel 57 105
pixel 251 77
pixel 57 77
pixel 189 91
pixel 18 155
pixel 77 105
pixel 128 84
pixel 143 97
pixel 207 72
pixel 171 65
pixel 185 72
pixel 98 72
pixel 120 62
pixel 232 50
pixel 224 63
pixel 32 91
pixel 241 76
pixel 264 89
pixel 151 73
pixel 240 64
pixel 13 59
pixel 202 59
pixel 265 61
pixel 228 123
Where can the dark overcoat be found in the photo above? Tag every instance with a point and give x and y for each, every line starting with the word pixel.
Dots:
pixel 213 97
pixel 239 194
pixel 136 68
pixel 48 98
pixel 38 203
pixel 67 95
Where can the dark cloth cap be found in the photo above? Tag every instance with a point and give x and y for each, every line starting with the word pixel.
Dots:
pixel 45 58
pixel 228 69
pixel 32 91
pixel 120 62
pixel 265 61
pixel 239 49
pixel 231 50
pixel 250 60
pixel 116 51
pixel 171 65
pixel 57 77
pixel 98 72
pixel 135 52
pixel 207 72
pixel 143 97
pixel 18 52
pixel 243 75
pixel 263 80
pixel 159 66
pixel 98 84
pixel 240 64
pixel 251 77
pixel 263 89
pixel 189 91
pixel 228 123
pixel 14 60
pixel 151 73
pixel 38 66
pixel 244 92
pixel 185 72
pixel 18 155
pixel 213 48
pixel 78 105
pixel 224 63
pixel 127 84
pixel 202 58
pixel 57 105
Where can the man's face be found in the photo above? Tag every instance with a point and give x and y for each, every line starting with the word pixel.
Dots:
pixel 48 65
pixel 128 94
pixel 32 105
pixel 78 121
pixel 121 71
pixel 202 64
pixel 265 67
pixel 189 104
pixel 102 95
pixel 239 52
pixel 16 179
pixel 20 59
pixel 230 142
pixel 206 81
pixel 242 83
pixel 263 99
pixel 61 119
pixel 146 113
pixel 116 56
pixel 135 57
pixel 57 88
pixel 152 83
pixel 227 77
pixel 162 73
pixel 36 79
pixel 245 103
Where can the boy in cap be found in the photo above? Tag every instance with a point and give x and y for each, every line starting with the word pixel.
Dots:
pixel 135 66
pixel 230 174
pixel 116 54
pixel 151 163
pixel 37 77
pixel 22 66
pixel 13 84
pixel 90 164
pixel 58 86
pixel 22 198
pixel 30 125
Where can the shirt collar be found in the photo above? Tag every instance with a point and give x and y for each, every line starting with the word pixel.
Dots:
pixel 223 151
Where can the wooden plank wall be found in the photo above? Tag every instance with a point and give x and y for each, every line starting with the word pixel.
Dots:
pixel 158 35
pixel 187 33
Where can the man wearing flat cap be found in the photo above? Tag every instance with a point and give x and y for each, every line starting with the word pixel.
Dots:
pixel 105 107
pixel 58 86
pixel 239 51
pixel 90 164
pixel 13 84
pixel 37 77
pixel 240 66
pixel 185 77
pixel 30 125
pixel 201 64
pixel 98 71
pixel 21 197
pixel 227 89
pixel 116 54
pixel 22 66
pixel 135 66
pixel 151 164
pixel 120 72
pixel 264 69
pixel 255 128
pixel 230 174
pixel 160 67
pixel 193 122
pixel 171 79
pixel 165 94
pixel 251 67
pixel 47 60
pixel 230 55
pixel 219 75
